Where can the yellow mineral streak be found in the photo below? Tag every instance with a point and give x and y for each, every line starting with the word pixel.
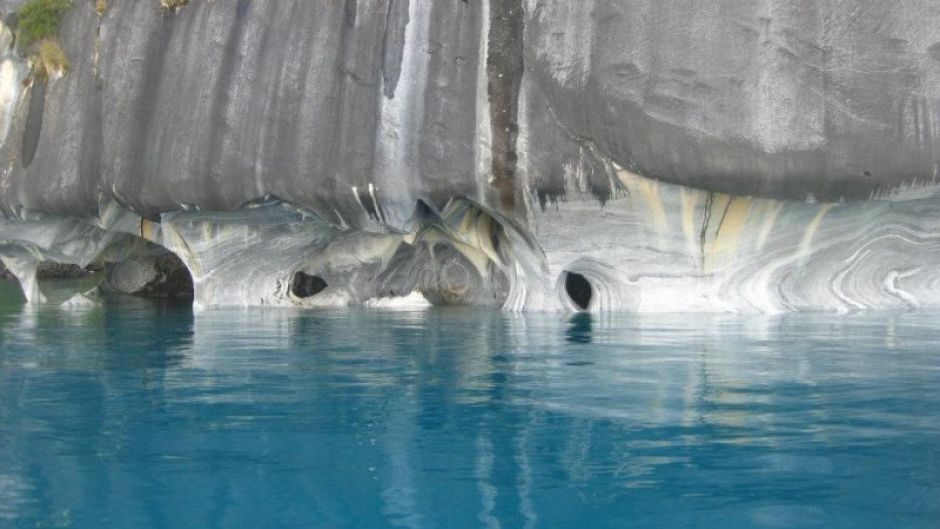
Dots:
pixel 806 243
pixel 149 230
pixel 648 190
pixel 769 211
pixel 173 241
pixel 476 229
pixel 729 215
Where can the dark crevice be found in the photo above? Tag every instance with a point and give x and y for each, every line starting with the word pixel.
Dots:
pixel 304 285
pixel 504 69
pixel 706 218
pixel 579 290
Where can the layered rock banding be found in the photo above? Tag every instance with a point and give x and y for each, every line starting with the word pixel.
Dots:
pixel 528 154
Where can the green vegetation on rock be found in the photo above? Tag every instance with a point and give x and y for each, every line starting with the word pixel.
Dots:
pixel 37 25
pixel 50 60
pixel 173 4
pixel 39 19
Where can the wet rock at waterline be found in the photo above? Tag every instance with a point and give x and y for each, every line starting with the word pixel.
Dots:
pixel 152 276
pixel 5 274
pixel 541 155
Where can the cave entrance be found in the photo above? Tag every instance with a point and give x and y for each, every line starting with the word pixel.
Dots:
pixel 159 275
pixel 579 290
pixel 175 281
pixel 304 285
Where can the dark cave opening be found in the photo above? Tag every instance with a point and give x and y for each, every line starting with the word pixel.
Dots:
pixel 159 275
pixel 578 289
pixel 173 279
pixel 304 285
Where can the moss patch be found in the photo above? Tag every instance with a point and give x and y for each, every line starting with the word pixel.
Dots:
pixel 39 19
pixel 173 4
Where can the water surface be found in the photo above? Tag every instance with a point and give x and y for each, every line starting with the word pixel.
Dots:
pixel 144 415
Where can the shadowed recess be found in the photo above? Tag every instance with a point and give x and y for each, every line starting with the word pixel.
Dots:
pixel 578 289
pixel 305 285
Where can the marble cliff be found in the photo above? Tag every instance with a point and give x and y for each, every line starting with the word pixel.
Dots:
pixel 602 155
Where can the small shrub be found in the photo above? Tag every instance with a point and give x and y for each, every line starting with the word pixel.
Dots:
pixel 173 4
pixel 39 19
pixel 50 60
pixel 101 7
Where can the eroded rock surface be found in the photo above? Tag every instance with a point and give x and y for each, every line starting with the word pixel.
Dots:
pixel 5 274
pixel 705 155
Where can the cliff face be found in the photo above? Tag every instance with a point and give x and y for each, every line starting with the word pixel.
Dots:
pixel 218 103
pixel 363 112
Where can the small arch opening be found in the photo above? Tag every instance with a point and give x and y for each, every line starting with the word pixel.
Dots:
pixel 174 280
pixel 579 290
pixel 304 285
pixel 159 275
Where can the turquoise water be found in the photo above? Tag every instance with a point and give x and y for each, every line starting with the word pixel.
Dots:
pixel 143 415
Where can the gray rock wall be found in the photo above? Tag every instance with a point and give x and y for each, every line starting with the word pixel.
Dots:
pixel 223 102
pixel 677 154
pixel 773 98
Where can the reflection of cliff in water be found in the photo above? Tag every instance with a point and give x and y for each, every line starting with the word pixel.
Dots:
pixel 533 156
pixel 580 327
pixel 387 406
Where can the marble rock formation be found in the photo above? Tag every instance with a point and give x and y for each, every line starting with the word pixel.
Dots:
pixel 601 155
pixel 5 274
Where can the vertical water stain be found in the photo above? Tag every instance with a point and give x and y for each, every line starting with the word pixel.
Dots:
pixel 350 13
pixel 37 102
pixel 141 166
pixel 504 69
pixel 393 47
pixel 218 124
